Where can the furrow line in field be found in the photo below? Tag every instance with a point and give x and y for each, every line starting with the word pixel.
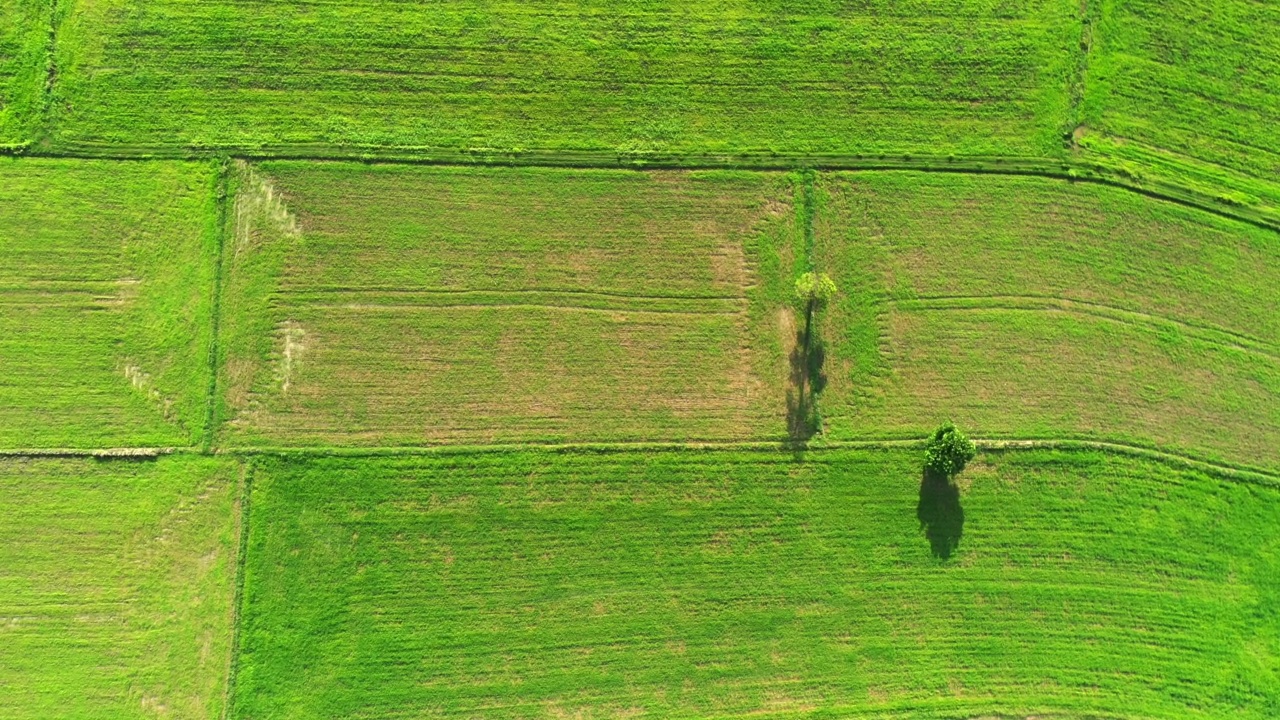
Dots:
pixel 402 307
pixel 1031 303
pixel 447 292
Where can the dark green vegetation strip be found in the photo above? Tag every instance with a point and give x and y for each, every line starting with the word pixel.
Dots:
pixel 105 307
pixel 722 584
pixel 115 587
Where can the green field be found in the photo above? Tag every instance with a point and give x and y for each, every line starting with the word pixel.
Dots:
pixel 106 295
pixel 24 51
pixel 116 583
pixel 1025 307
pixel 728 584
pixel 1184 89
pixel 379 360
pixel 393 305
pixel 961 76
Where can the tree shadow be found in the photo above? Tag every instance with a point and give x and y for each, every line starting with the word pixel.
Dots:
pixel 940 514
pixel 807 380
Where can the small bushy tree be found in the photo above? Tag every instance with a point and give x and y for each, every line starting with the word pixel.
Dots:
pixel 948 451
pixel 814 290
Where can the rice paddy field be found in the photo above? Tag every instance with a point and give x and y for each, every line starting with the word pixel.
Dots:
pixel 967 76
pixel 394 305
pixel 116 586
pixel 731 584
pixel 376 360
pixel 1188 90
pixel 106 303
pixel 1007 303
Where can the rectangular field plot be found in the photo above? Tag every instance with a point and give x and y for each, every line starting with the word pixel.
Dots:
pixel 960 76
pixel 384 305
pixel 720 584
pixel 1181 86
pixel 106 290
pixel 116 584
pixel 24 46
pixel 1038 308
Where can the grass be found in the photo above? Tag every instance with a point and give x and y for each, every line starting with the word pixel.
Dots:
pixel 393 305
pixel 1186 89
pixel 116 584
pixel 24 51
pixel 726 584
pixel 1008 305
pixel 973 77
pixel 107 291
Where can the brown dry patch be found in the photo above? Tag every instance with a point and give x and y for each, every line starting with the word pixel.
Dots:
pixel 787 330
pixel 728 260
pixel 293 345
pixel 238 373
pixel 776 208
pixel 779 701
pixel 259 208
pixel 126 291
pixel 559 711
pixel 143 383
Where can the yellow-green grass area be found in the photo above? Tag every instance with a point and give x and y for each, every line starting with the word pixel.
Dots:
pixel 1037 308
pixel 723 584
pixel 116 587
pixel 968 77
pixel 106 297
pixel 24 53
pixel 402 305
pixel 1188 90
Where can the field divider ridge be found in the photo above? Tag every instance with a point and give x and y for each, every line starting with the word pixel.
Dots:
pixel 1233 471
pixel 377 299
pixel 237 600
pixel 1073 169
pixel 215 314
pixel 124 453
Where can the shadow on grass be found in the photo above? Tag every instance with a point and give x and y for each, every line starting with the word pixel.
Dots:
pixel 807 381
pixel 940 514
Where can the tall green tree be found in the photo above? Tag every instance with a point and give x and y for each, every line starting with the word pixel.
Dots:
pixel 948 450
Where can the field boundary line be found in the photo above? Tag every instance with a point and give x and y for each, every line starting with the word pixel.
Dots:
pixel 1031 303
pixel 215 313
pixel 1240 472
pixel 237 600
pixel 50 75
pixel 1235 471
pixel 124 453
pixel 1066 168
